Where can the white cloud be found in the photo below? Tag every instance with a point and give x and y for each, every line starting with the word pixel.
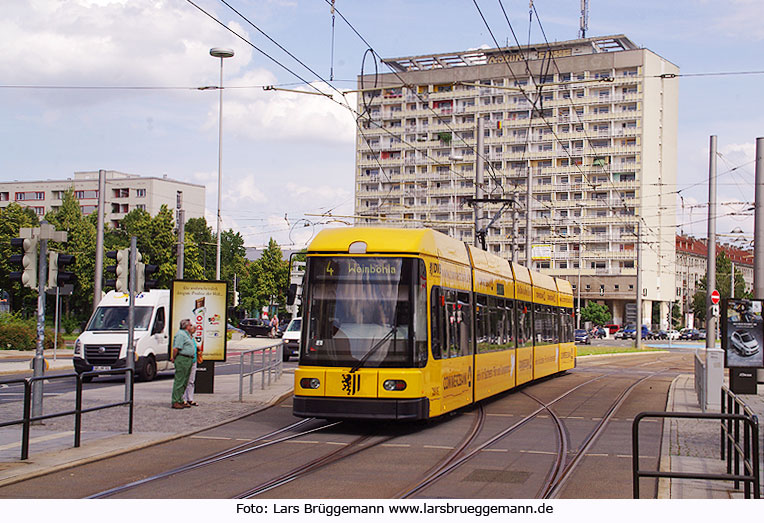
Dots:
pixel 282 115
pixel 741 19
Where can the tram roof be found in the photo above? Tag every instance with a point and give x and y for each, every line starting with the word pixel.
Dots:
pixel 522 274
pixel 543 281
pixel 564 286
pixel 488 262
pixel 385 240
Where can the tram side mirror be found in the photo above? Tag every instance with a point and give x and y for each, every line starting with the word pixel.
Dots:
pixel 291 293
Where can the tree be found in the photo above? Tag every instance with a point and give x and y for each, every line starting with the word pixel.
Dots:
pixel 197 230
pixel 81 242
pixel 12 219
pixel 266 278
pixel 596 313
pixel 723 272
pixel 676 316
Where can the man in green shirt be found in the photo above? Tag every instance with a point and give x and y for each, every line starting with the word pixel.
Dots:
pixel 183 356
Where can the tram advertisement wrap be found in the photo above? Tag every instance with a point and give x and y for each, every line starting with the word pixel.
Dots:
pixel 204 303
pixel 742 332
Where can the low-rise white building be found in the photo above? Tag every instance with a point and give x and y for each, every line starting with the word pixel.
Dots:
pixel 124 192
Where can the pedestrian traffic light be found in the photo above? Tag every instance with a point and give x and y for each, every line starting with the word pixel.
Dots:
pixel 26 260
pixel 143 272
pixel 119 270
pixel 58 276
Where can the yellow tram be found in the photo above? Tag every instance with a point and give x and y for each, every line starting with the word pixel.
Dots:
pixel 410 324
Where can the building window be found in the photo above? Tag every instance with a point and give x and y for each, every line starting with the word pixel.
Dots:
pixel 86 195
pixel 32 195
pixel 141 206
pixel 39 211
pixel 140 193
pixel 121 193
pixel 4 196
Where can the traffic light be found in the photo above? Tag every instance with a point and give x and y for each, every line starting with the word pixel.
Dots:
pixel 143 272
pixel 27 261
pixel 235 298
pixel 119 270
pixel 58 276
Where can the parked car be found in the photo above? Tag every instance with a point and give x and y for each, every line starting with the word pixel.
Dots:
pixel 581 336
pixel 291 338
pixel 744 343
pixel 255 327
pixel 231 329
pixel 612 328
pixel 672 334
pixel 701 334
pixel 660 335
pixel 626 333
pixel 689 334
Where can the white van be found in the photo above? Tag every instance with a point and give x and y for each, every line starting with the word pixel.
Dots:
pixel 103 343
pixel 291 338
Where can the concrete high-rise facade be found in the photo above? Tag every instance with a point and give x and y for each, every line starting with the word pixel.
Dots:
pixel 591 123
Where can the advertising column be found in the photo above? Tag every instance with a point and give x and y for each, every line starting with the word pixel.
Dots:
pixel 204 304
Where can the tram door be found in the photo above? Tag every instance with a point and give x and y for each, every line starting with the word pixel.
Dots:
pixel 452 346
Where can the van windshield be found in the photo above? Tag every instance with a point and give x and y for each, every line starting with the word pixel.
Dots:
pixel 115 318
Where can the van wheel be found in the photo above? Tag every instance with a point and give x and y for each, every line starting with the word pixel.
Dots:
pixel 149 370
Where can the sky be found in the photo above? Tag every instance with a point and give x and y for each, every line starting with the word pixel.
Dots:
pixel 288 157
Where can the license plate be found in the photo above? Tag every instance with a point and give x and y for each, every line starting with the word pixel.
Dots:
pixel 101 367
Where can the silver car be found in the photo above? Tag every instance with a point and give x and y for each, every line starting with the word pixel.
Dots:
pixel 744 344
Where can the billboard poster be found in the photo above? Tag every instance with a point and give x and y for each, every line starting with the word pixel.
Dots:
pixel 204 303
pixel 742 333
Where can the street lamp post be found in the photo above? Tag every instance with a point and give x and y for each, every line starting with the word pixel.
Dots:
pixel 220 52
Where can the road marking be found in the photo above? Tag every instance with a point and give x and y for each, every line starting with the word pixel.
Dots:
pixel 306 441
pixel 39 439
pixel 209 437
pixel 243 439
pixel 598 455
pixel 336 443
pixel 400 445
pixel 539 452
pixel 438 447
pixel 502 415
pixel 573 417
pixel 494 450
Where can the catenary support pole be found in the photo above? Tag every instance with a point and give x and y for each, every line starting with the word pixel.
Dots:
pixel 479 178
pixel 97 283
pixel 711 256
pixel 638 330
pixel 758 223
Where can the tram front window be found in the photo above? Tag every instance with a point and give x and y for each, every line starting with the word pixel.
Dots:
pixel 360 311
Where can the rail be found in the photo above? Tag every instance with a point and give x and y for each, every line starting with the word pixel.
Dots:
pixel 270 362
pixel 27 419
pixel 739 455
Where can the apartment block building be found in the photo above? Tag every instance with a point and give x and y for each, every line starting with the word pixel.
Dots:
pixel 591 124
pixel 691 267
pixel 124 192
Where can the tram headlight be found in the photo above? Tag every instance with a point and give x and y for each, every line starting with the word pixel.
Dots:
pixel 391 385
pixel 310 383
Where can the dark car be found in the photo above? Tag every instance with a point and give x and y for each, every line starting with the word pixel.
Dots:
pixel 255 327
pixel 628 332
pixel 582 336
pixel 690 334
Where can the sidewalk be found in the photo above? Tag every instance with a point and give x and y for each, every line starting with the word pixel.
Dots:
pixel 104 433
pixel 693 445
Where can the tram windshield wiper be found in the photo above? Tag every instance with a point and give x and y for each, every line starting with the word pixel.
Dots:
pixel 392 332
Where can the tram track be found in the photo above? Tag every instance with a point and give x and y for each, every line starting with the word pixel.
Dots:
pixel 243 448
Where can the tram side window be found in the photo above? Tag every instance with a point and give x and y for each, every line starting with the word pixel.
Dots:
pixel 420 315
pixel 524 325
pixel 544 325
pixel 458 332
pixel 509 324
pixel 437 322
pixel 482 324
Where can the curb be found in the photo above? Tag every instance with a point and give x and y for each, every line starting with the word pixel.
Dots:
pixel 664 464
pixel 125 450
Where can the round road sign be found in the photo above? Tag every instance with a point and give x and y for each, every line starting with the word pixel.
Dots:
pixel 715 297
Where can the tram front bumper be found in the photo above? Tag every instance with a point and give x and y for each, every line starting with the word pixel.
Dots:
pixel 361 408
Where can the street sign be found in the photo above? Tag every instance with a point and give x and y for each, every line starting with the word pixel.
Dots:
pixel 715 297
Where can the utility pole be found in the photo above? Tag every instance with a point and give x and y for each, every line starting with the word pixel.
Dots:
pixel 479 178
pixel 130 353
pixel 515 227
pixel 528 199
pixel 97 287
pixel 758 223
pixel 638 330
pixel 711 256
pixel 181 235
pixel 38 364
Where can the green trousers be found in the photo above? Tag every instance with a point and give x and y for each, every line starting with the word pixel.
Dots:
pixel 182 372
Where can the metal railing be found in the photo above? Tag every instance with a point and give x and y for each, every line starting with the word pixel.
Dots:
pixel 743 456
pixel 27 419
pixel 271 359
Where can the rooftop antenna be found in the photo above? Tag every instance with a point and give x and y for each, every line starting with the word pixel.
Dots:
pixel 584 18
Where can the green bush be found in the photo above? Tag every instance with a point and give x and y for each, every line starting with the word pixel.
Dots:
pixel 69 324
pixel 16 333
pixel 19 334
